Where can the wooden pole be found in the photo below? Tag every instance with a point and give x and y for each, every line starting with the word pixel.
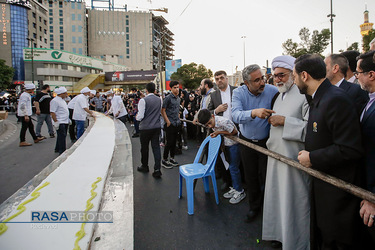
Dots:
pixel 350 188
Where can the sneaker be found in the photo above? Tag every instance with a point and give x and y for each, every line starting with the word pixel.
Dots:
pixel 173 162
pixel 135 135
pixel 230 193
pixel 157 173
pixel 166 164
pixel 237 197
pixel 52 136
pixel 38 140
pixel 142 169
pixel 185 147
pixel 41 137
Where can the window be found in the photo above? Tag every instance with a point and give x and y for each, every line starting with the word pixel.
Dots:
pixel 45 40
pixel 73 28
pixel 45 31
pixel 40 19
pixel 79 17
pixel 127 36
pixel 34 15
pixel 34 25
pixel 73 39
pixel 51 29
pixel 74 50
pixel 127 51
pixel 79 6
pixel 73 17
pixel 51 20
pixel 50 4
pixel 50 12
pixel 64 66
pixel 35 45
pixel 61 38
pixel 51 37
pixel 60 5
pixel 79 28
pixel 127 29
pixel 40 28
pixel 40 38
pixel 127 57
pixel 65 78
pixel 61 29
pixel 45 21
pixel 61 46
pixel 80 51
pixel 127 43
pixel 60 12
pixel 127 22
pixel 34 35
pixel 61 21
pixel 80 39
pixel 73 5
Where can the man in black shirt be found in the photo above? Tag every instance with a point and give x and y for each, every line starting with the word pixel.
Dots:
pixel 41 103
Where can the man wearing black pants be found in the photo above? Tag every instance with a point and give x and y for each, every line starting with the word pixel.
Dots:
pixel 170 111
pixel 148 115
pixel 72 126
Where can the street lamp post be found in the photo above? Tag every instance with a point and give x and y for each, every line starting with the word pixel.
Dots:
pixel 244 63
pixel 31 40
pixel 331 20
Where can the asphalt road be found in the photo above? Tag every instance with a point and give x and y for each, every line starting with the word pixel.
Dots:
pixel 161 220
pixel 18 165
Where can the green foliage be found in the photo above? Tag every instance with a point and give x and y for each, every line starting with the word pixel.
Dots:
pixel 191 75
pixel 367 39
pixel 6 75
pixel 354 46
pixel 314 43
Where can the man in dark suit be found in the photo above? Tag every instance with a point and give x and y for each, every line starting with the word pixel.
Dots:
pixel 336 66
pixel 351 55
pixel 221 104
pixel 366 77
pixel 333 145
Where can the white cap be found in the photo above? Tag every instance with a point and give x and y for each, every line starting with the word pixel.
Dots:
pixel 109 92
pixel 60 90
pixel 29 86
pixel 93 92
pixel 85 90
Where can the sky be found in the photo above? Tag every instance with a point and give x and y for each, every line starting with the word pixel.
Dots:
pixel 209 32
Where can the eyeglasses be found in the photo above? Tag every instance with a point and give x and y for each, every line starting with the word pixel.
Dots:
pixel 258 80
pixel 356 74
pixel 280 75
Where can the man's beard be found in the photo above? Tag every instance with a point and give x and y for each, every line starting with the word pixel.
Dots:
pixel 302 88
pixel 203 91
pixel 286 85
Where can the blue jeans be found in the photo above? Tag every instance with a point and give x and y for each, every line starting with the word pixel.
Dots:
pixel 234 165
pixel 80 128
pixel 41 118
pixel 61 138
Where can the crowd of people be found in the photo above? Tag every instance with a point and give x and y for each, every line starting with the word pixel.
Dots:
pixel 318 112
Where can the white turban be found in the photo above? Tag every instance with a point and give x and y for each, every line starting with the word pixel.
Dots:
pixel 93 92
pixel 85 90
pixel 109 92
pixel 60 90
pixel 286 62
pixel 29 86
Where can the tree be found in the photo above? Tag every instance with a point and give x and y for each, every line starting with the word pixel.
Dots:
pixel 367 39
pixel 354 46
pixel 6 75
pixel 191 75
pixel 314 43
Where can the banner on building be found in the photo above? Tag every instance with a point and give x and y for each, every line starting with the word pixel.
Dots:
pixel 171 66
pixel 127 76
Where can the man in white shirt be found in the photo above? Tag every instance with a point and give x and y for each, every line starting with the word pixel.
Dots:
pixel 81 109
pixel 60 116
pixel 24 112
pixel 118 108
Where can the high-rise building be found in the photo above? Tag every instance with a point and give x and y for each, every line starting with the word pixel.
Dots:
pixel 37 25
pixel 67 25
pixel 129 38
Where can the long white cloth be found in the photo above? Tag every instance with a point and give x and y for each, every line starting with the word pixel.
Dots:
pixel 286 213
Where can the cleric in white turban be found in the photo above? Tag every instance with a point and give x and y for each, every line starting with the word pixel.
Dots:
pixel 286 210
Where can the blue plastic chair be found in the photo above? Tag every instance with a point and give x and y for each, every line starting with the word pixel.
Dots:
pixel 197 170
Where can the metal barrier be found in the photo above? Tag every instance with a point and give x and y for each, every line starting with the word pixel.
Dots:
pixel 348 187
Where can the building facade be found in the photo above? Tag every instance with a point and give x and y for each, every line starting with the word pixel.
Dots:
pixel 129 38
pixel 366 26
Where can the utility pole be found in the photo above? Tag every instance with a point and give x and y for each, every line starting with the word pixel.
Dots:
pixel 331 16
pixel 31 40
pixel 244 38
